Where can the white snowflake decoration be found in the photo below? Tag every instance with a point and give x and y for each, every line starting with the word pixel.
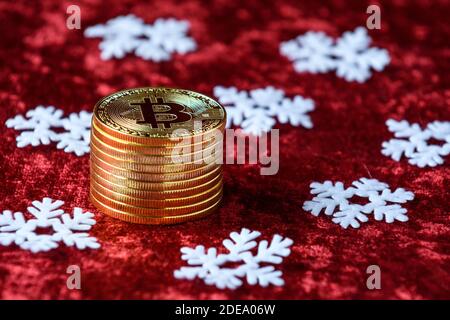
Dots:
pixel 413 142
pixel 129 34
pixel 256 110
pixel 208 265
pixel 14 228
pixel 333 200
pixel 38 124
pixel 350 55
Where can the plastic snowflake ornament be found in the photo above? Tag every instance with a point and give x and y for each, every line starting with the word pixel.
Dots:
pixel 350 55
pixel 257 111
pixel 39 124
pixel 414 143
pixel 335 200
pixel 208 265
pixel 14 228
pixel 129 34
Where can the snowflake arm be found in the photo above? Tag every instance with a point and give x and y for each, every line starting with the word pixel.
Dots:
pixel 275 252
pixel 39 243
pixel 328 189
pixel 241 242
pixel 39 136
pixel 267 97
pixel 46 116
pixel 21 123
pixel 78 123
pixel 200 256
pixel 352 72
pixel 429 155
pixel 264 276
pixel 318 204
pixel 80 240
pixel 229 95
pixel 148 50
pixel 235 102
pixel 118 47
pixel 71 143
pixel 350 215
pixel 374 58
pixel 257 122
pixel 396 148
pixel 403 129
pixel 7 238
pixel 189 273
pixel 390 213
pixel 11 222
pixel 224 278
pixel 9 225
pixel 46 210
pixel 202 262
pixel 294 111
pixel 79 221
pixel 129 25
pixel 440 130
pixel 364 186
pixel 400 195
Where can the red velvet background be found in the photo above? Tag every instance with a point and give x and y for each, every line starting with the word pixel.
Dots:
pixel 42 62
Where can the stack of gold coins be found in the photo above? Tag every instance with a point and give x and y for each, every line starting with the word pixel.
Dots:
pixel 156 155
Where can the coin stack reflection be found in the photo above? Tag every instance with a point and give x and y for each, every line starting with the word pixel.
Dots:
pixel 154 155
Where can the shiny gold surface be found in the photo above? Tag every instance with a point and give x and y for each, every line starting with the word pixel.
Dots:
pixel 128 217
pixel 154 211
pixel 154 202
pixel 158 113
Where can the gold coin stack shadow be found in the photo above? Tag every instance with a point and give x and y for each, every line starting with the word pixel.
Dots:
pixel 155 155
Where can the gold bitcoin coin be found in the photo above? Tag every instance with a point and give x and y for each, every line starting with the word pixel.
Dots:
pixel 127 217
pixel 156 212
pixel 200 144
pixel 156 155
pixel 178 156
pixel 155 116
pixel 145 164
pixel 161 194
pixel 156 186
pixel 151 177
pixel 156 203
pixel 149 168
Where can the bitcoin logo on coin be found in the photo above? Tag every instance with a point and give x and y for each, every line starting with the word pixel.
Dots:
pixel 155 113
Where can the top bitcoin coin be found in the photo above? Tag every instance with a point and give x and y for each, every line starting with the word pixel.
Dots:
pixel 139 114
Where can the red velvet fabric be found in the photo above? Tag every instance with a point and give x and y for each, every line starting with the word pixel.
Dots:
pixel 42 62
